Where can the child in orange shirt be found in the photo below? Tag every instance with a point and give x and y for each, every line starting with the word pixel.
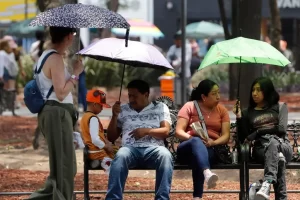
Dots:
pixel 92 130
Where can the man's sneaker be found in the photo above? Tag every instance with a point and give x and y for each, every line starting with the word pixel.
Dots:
pixel 264 190
pixel 210 179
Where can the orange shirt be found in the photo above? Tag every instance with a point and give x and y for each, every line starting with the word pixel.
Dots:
pixel 97 153
pixel 213 121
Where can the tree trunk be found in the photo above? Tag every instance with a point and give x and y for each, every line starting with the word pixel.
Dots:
pixel 112 5
pixel 233 67
pixel 275 24
pixel 250 24
pixel 224 19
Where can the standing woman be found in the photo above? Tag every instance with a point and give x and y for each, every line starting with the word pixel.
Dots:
pixel 196 151
pixel 58 116
pixel 10 72
pixel 265 122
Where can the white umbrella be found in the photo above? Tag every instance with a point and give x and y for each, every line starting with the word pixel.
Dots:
pixel 136 54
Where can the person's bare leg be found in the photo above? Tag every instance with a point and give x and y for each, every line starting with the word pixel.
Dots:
pixel 12 95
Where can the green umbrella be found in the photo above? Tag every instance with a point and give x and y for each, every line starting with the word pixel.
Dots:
pixel 23 30
pixel 243 50
pixel 203 29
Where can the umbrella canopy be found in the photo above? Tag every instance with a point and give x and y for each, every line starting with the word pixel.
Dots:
pixel 140 28
pixel 243 50
pixel 22 29
pixel 203 29
pixel 137 54
pixel 80 16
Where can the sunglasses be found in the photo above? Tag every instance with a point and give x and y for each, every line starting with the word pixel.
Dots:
pixel 101 95
pixel 74 31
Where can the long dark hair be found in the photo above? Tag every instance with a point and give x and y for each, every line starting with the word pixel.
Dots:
pixel 40 36
pixel 58 34
pixel 203 88
pixel 271 96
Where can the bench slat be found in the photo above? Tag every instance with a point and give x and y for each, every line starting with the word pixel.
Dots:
pixel 291 165
pixel 178 166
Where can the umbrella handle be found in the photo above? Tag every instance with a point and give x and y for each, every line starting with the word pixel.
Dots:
pixel 127 37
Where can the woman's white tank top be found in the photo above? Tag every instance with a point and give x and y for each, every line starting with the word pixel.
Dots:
pixel 45 83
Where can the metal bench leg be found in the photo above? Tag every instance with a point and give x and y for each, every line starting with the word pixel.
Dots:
pixel 86 182
pixel 242 182
pixel 247 182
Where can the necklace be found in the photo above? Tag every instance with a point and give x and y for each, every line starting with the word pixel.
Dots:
pixel 207 114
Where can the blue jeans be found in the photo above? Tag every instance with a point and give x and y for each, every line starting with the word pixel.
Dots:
pixel 155 157
pixel 194 153
pixel 82 91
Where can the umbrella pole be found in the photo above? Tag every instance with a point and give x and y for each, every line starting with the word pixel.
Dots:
pixel 126 45
pixel 239 82
pixel 122 82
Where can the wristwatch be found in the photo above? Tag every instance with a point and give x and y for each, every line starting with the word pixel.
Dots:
pixel 75 77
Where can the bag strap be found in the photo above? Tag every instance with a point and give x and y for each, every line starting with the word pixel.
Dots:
pixel 44 57
pixel 200 116
pixel 37 71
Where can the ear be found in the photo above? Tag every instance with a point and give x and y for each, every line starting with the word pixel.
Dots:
pixel 147 94
pixel 203 97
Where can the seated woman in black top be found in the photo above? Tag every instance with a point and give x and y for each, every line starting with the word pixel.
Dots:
pixel 265 122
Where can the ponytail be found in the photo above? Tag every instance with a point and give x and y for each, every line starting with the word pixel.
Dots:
pixel 41 48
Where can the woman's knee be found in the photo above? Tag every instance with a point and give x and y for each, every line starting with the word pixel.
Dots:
pixel 196 141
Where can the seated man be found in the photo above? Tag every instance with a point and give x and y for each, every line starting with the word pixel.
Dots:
pixel 143 125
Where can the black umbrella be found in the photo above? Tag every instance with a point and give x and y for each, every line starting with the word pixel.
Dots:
pixel 80 16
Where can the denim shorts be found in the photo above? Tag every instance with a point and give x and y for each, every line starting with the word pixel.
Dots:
pixel 6 75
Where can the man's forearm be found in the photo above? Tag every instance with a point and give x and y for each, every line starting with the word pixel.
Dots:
pixel 159 133
pixel 112 129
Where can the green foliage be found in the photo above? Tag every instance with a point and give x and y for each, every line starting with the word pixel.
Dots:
pixel 216 73
pixel 109 74
pixel 283 79
pixel 28 64
pixel 101 73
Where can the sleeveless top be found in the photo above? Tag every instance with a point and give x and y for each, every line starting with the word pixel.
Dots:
pixel 45 83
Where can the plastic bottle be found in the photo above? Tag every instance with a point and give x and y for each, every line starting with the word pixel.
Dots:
pixel 234 156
